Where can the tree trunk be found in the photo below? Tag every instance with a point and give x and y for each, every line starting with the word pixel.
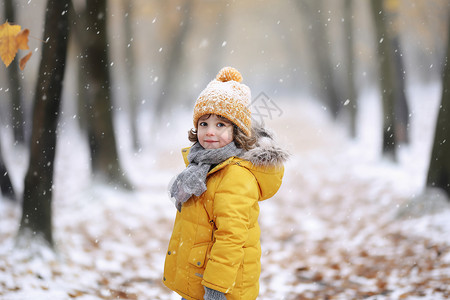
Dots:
pixel 130 66
pixel 327 91
pixel 352 105
pixel 104 156
pixel 392 8
pixel 78 28
pixel 6 186
pixel 17 119
pixel 37 198
pixel 401 103
pixel 386 79
pixel 439 169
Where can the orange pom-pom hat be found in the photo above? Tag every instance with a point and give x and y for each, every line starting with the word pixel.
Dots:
pixel 228 97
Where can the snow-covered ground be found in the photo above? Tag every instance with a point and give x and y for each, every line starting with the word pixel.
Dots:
pixel 346 224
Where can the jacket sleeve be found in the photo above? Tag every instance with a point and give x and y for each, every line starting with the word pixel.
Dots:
pixel 236 194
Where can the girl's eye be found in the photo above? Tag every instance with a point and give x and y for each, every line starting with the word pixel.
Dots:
pixel 203 124
pixel 221 125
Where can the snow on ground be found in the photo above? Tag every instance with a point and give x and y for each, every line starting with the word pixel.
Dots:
pixel 332 231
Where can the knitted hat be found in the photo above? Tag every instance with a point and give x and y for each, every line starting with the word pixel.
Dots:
pixel 227 97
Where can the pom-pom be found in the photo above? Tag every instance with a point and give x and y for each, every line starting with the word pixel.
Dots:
pixel 229 73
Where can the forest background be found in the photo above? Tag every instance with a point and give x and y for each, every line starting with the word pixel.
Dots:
pixel 136 67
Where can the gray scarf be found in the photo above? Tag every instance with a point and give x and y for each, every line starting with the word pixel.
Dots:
pixel 192 181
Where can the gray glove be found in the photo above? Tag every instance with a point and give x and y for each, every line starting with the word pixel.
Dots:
pixel 211 294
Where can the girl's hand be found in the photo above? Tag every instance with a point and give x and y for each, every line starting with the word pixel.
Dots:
pixel 211 294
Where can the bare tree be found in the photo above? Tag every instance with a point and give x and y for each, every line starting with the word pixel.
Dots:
pixel 17 119
pixel 94 97
pixel 102 141
pixel 37 198
pixel 391 76
pixel 401 107
pixel 352 105
pixel 130 66
pixel 386 79
pixel 313 12
pixel 78 27
pixel 439 169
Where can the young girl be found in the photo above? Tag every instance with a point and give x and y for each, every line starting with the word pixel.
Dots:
pixel 214 252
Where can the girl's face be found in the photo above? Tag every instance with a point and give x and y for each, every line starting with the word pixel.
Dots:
pixel 214 132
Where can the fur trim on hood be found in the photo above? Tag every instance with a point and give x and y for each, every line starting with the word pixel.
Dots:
pixel 266 151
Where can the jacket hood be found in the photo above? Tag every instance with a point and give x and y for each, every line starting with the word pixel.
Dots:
pixel 266 152
pixel 266 162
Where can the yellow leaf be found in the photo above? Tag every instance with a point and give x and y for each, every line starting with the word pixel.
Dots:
pixel 8 43
pixel 22 39
pixel 24 60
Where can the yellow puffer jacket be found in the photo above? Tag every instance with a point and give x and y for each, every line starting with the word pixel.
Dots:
pixel 215 240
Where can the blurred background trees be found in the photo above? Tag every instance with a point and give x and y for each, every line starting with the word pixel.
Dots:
pixel 143 61
pixel 162 53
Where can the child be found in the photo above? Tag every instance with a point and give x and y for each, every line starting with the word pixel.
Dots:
pixel 214 252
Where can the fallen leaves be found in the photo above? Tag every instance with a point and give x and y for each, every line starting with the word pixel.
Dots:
pixel 13 39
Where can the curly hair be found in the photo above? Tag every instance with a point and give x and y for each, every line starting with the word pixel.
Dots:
pixel 241 140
